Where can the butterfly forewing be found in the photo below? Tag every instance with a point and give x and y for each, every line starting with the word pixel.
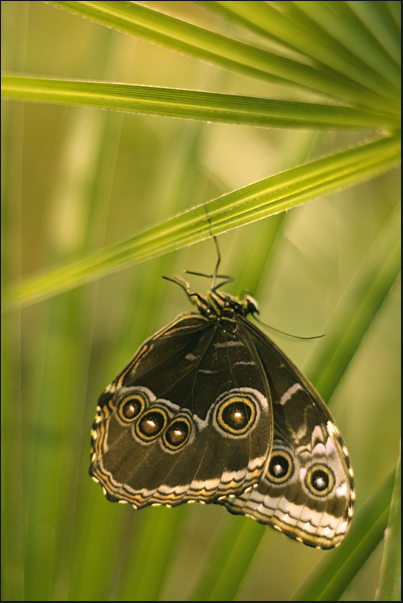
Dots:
pixel 189 418
pixel 307 490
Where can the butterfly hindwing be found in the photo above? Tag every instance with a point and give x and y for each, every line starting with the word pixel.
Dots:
pixel 189 418
pixel 307 490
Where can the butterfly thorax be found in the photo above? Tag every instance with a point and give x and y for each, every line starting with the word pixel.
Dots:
pixel 224 305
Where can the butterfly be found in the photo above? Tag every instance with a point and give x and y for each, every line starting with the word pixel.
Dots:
pixel 209 409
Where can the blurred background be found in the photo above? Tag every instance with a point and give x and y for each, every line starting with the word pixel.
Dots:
pixel 75 180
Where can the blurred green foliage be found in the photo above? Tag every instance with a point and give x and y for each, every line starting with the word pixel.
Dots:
pixel 78 179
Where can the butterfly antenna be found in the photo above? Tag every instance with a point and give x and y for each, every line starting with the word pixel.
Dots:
pixel 217 264
pixel 214 278
pixel 284 332
pixel 215 275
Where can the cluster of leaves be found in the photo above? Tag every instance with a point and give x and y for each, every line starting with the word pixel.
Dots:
pixel 344 57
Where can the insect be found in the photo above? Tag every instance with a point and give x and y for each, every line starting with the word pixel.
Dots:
pixel 209 409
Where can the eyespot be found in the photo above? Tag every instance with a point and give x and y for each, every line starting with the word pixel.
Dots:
pixel 280 467
pixel 151 424
pixel 177 433
pixel 319 480
pixel 131 406
pixel 236 413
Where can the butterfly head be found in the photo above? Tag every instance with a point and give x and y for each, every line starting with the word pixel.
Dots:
pixel 224 305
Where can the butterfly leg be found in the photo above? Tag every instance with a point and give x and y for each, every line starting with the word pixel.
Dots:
pixel 199 299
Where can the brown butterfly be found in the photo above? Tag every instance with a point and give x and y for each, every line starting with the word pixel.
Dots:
pixel 211 410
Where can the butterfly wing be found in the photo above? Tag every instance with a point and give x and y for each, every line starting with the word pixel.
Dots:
pixel 189 418
pixel 307 490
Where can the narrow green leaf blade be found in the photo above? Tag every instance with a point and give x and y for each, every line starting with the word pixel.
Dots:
pixel 370 285
pixel 390 583
pixel 313 41
pixel 203 44
pixel 248 204
pixel 191 104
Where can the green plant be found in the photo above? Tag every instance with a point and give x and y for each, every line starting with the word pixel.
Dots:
pixel 78 182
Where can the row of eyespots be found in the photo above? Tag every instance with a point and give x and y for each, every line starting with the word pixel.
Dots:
pixel 319 478
pixel 151 423
pixel 235 414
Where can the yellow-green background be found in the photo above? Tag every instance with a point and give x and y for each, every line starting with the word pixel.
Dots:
pixel 76 179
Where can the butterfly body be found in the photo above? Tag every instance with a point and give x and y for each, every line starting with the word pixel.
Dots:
pixel 210 410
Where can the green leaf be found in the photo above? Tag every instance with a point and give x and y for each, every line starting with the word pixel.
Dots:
pixel 312 40
pixel 230 561
pixel 253 202
pixel 351 320
pixel 78 183
pixel 341 24
pixel 390 582
pixel 189 104
pixel 178 35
